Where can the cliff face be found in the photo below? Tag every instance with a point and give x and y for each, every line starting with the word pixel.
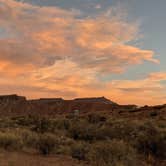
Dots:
pixel 13 105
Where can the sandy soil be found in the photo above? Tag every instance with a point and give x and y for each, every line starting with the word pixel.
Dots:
pixel 26 159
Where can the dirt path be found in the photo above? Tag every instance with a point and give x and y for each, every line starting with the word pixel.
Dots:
pixel 24 159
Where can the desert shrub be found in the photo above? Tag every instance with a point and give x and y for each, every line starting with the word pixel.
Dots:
pixel 145 144
pixel 79 150
pixel 42 125
pixel 70 116
pixel 10 141
pixel 63 150
pixel 7 123
pixel 105 132
pixel 83 131
pixel 153 114
pixel 65 141
pixel 161 145
pixel 152 144
pixel 95 118
pixel 50 125
pixel 161 124
pixel 46 144
pixel 30 139
pixel 112 153
pixel 25 120
pixel 144 135
pixel 127 130
pixel 118 130
pixel 61 124
pixel 63 144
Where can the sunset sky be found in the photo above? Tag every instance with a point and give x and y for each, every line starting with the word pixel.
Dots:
pixel 84 48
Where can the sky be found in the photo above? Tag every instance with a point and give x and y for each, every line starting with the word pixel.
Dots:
pixel 84 48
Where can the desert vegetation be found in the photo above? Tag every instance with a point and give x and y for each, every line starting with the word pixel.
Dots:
pixel 95 139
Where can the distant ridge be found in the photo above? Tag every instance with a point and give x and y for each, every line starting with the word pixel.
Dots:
pixel 50 100
pixel 85 100
pixel 95 100
pixel 14 105
pixel 88 99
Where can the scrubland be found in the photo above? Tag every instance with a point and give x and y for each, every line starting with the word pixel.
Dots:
pixel 93 139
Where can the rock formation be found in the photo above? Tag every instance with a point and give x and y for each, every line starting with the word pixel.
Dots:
pixel 13 105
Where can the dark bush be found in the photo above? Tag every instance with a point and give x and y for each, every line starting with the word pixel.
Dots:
pixel 29 138
pixel 112 153
pixel 61 124
pixel 152 144
pixel 42 125
pixel 10 141
pixel 117 130
pixel 26 120
pixel 83 131
pixel 46 144
pixel 96 118
pixel 153 114
pixel 7 123
pixel 79 150
pixel 161 146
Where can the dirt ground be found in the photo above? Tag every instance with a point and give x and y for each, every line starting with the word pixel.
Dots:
pixel 26 159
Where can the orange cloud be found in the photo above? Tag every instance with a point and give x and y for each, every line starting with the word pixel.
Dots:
pixel 43 35
pixel 49 51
